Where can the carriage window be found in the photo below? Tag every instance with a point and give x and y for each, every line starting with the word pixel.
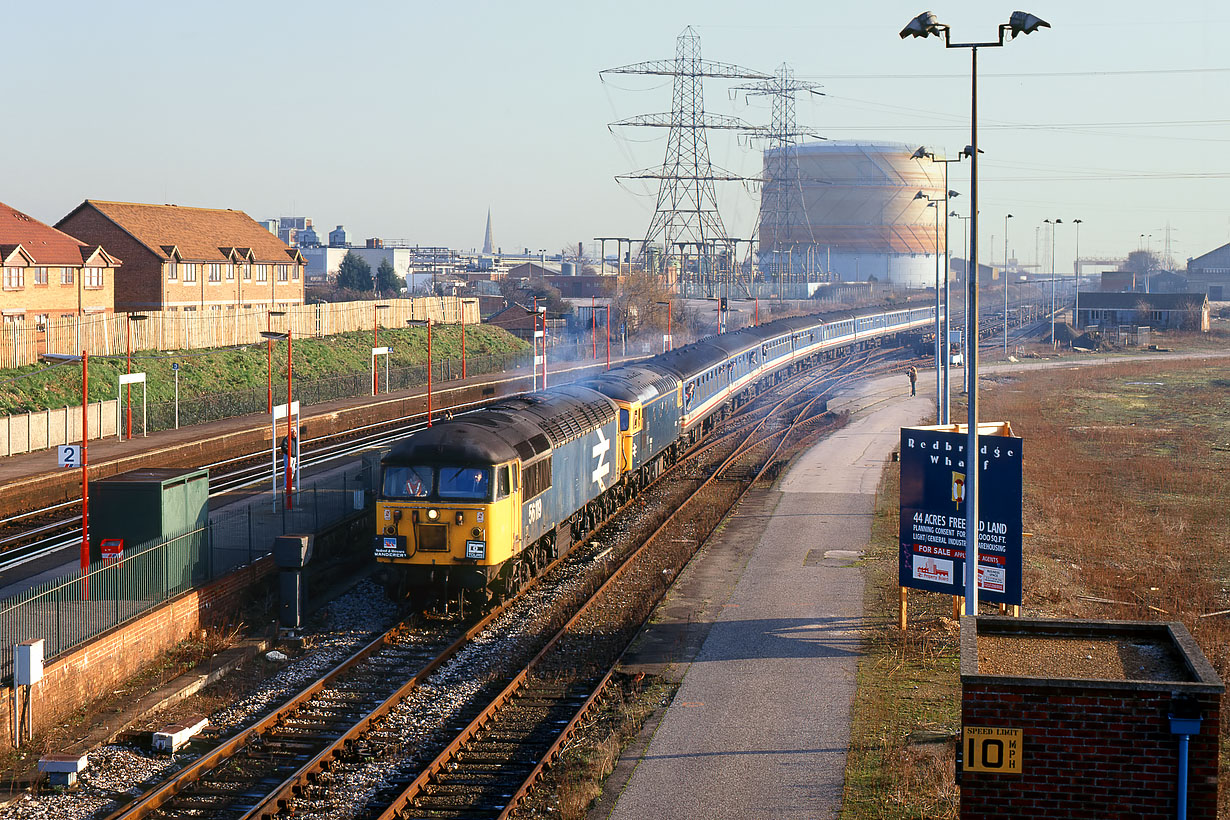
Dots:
pixel 464 482
pixel 502 482
pixel 407 482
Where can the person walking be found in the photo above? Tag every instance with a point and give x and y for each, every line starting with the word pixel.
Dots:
pixel 913 374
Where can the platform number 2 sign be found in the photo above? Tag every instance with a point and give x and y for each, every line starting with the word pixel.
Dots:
pixel 992 749
pixel 70 455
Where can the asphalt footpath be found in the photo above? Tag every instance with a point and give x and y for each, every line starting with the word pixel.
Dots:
pixel 763 630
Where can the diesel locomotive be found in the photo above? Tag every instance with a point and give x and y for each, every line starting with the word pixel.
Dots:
pixel 469 509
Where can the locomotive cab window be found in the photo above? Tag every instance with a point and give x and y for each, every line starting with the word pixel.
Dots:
pixel 464 483
pixel 407 482
pixel 503 485
pixel 623 419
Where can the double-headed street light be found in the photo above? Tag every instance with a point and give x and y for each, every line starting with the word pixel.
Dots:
pixel 925 25
pixel 946 390
pixel 269 337
pixel 1005 284
pixel 940 346
pixel 1053 223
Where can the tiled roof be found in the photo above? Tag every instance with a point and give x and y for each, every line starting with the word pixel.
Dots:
pixel 199 234
pixel 43 243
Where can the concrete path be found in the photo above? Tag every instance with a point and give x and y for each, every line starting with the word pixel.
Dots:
pixel 761 722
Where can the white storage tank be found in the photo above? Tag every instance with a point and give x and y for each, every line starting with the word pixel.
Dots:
pixel 853 211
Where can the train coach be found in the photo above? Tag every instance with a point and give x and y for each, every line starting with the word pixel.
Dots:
pixel 470 509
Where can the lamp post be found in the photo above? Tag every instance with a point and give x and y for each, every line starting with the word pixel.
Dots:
pixel 85 461
pixel 1053 223
pixel 965 308
pixel 132 317
pixel 375 344
pixel 946 359
pixel 1005 284
pixel 934 202
pixel 1076 275
pixel 463 338
pixel 292 443
pixel 269 343
pixel 924 25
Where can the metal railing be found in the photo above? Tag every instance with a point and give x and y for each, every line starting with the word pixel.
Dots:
pixel 74 608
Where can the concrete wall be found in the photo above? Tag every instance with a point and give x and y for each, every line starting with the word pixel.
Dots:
pixel 43 429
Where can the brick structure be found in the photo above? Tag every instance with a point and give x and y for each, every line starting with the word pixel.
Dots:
pixel 97 668
pixel 48 274
pixel 179 258
pixel 1090 748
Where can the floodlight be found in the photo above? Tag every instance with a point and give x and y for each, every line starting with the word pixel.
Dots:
pixel 1023 22
pixel 925 25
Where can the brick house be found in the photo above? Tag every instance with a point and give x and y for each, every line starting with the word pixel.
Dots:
pixel 49 274
pixel 190 259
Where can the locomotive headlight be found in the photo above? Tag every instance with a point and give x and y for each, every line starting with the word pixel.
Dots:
pixel 461 518
pixel 433 514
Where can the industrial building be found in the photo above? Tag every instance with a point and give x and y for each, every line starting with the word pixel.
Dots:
pixel 1210 274
pixel 852 211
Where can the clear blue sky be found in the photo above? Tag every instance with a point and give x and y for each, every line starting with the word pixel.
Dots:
pixel 408 119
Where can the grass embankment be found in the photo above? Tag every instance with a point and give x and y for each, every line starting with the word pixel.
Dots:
pixel 1127 469
pixel 207 372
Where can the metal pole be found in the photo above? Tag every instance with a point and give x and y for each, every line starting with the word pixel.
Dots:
pixel 269 346
pixel 1076 275
pixel 1005 284
pixel 291 445
pixel 1053 340
pixel 85 460
pixel 971 446
pixel 608 337
pixel 940 344
pixel 429 372
pixel 177 398
pixel 375 344
pixel 128 387
pixel 463 339
pixel 593 333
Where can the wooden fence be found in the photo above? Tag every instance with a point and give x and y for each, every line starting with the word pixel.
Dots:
pixel 22 343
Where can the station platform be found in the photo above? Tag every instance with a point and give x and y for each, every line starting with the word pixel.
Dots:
pixel 762 631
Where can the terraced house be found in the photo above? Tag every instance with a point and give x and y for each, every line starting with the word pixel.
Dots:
pixel 190 259
pixel 49 274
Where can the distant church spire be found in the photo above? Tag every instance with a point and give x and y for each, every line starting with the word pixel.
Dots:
pixel 488 244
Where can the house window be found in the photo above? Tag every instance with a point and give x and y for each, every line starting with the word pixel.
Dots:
pixel 189 271
pixel 1158 316
pixel 14 318
pixel 172 271
pixel 40 321
pixel 40 276
pixel 93 278
pixel 230 272
pixel 215 272
pixel 66 276
pixel 14 278
pixel 295 273
pixel 282 272
pixel 262 273
pixel 247 271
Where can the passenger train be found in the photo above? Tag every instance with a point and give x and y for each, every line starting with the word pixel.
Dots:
pixel 471 508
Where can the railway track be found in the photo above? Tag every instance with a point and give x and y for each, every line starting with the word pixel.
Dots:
pixel 324 749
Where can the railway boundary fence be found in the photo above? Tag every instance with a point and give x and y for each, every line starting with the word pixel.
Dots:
pixel 44 429
pixel 72 609
pixel 106 334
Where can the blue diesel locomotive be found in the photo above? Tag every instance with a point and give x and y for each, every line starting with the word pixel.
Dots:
pixel 472 507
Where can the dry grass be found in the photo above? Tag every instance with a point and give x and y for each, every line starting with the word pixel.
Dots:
pixel 1127 476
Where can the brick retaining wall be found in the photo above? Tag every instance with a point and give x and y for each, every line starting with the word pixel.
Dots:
pixel 100 666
